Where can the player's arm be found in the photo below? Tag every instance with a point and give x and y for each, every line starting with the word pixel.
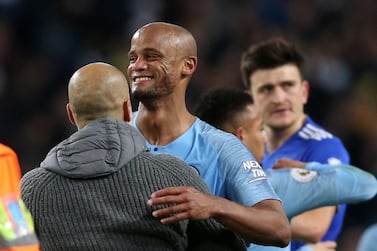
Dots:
pixel 321 185
pixel 305 226
pixel 349 184
pixel 284 163
pixel 312 226
pixel 264 223
pixel 319 246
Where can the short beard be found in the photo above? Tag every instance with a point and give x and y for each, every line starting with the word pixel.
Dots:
pixel 152 95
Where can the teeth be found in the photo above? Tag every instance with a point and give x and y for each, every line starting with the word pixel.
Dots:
pixel 142 78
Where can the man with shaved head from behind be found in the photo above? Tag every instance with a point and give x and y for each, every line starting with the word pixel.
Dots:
pixel 91 191
pixel 162 59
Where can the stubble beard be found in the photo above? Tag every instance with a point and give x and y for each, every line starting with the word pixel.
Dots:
pixel 154 93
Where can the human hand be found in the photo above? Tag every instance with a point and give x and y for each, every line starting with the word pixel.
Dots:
pixel 323 246
pixel 284 162
pixel 184 203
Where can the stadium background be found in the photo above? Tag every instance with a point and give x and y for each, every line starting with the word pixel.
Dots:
pixel 42 42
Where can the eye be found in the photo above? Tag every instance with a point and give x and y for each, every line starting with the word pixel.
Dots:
pixel 132 58
pixel 152 57
pixel 266 89
pixel 288 84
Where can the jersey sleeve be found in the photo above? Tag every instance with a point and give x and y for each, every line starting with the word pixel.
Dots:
pixel 245 180
pixel 321 185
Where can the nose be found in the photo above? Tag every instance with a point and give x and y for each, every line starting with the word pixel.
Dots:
pixel 278 94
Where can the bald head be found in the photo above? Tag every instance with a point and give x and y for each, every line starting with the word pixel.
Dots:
pixel 97 90
pixel 172 35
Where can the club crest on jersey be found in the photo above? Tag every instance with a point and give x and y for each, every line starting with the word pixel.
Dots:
pixel 303 175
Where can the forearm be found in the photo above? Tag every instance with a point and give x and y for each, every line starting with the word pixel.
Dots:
pixel 328 185
pixel 264 223
pixel 311 226
pixel 353 185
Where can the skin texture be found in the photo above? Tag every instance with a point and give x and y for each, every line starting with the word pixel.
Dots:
pixel 250 131
pixel 97 90
pixel 280 94
pixel 162 60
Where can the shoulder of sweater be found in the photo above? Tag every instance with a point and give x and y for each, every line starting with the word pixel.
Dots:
pixel 37 177
pixel 171 165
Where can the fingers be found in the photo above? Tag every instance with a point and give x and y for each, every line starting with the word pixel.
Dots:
pixel 172 214
pixel 324 246
pixel 284 162
pixel 170 199
pixel 171 195
pixel 181 203
pixel 175 198
pixel 170 191
pixel 330 244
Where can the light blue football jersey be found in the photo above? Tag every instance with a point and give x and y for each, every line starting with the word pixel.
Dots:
pixel 313 143
pixel 225 164
pixel 321 185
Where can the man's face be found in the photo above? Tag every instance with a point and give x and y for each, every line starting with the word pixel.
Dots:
pixel 154 66
pixel 253 135
pixel 280 95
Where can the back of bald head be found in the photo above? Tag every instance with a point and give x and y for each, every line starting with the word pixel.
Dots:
pixel 97 90
pixel 178 36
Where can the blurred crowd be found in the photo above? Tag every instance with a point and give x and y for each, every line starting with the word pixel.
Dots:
pixel 42 42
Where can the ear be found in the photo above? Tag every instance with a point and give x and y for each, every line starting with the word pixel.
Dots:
pixel 305 85
pixel 238 132
pixel 127 111
pixel 70 114
pixel 189 66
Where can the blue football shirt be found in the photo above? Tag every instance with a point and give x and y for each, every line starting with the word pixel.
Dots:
pixel 313 143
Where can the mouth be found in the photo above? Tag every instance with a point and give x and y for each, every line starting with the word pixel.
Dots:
pixel 280 111
pixel 141 79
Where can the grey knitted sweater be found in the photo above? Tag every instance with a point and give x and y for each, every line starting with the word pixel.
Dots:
pixel 91 190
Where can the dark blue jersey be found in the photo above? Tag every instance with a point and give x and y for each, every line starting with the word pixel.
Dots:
pixel 313 143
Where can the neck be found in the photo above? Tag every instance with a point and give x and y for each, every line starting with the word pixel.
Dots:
pixel 278 136
pixel 163 123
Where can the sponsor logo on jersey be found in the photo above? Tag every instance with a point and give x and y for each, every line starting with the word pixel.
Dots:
pixel 254 168
pixel 250 164
pixel 315 133
pixel 303 175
